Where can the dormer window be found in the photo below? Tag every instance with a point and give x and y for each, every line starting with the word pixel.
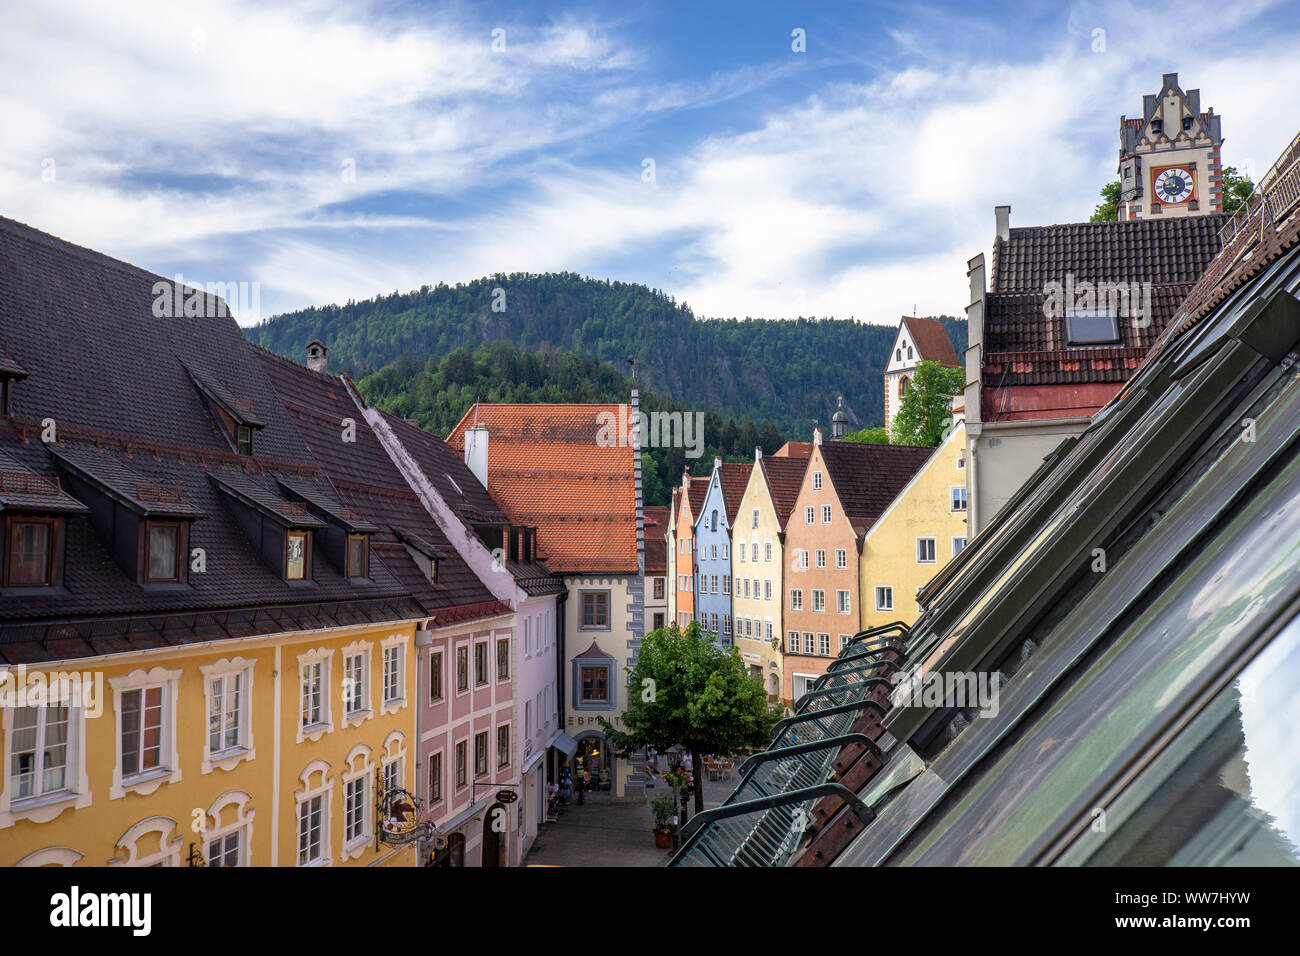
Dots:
pixel 358 555
pixel 1187 122
pixel 31 551
pixel 244 439
pixel 297 555
pixel 164 551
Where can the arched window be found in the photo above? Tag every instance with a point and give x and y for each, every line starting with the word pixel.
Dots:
pixel 902 386
pixel 713 522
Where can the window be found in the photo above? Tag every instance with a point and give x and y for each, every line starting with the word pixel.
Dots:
pixel 809 515
pixel 714 628
pixel 841 558
pixel 741 551
pixel 842 602
pixel 802 562
pixel 394 778
pixel 884 599
pixel 480 663
pixel 817 481
pixel 595 609
pixel 925 551
pixel 958 543
pixel 725 551
pixel 39 745
pixel 435 777
pixel 821 558
pixel 460 764
pixel 768 629
pixel 746 581
pixel 357 555
pixel 142 730
pixel 819 599
pixel 244 439
pixel 713 584
pixel 961 462
pixel 726 584
pixel 354 809
pixel 435 676
pixel 392 674
pixel 753 518
pixel 462 669
pixel 793 638
pixel 528 719
pixel 726 625
pixel 1095 326
pixel 503 658
pixel 898 354
pixel 749 628
pixel 826 514
pixel 595 684
pixel 503 745
pixel 754 552
pixel 767 550
pixel 297 561
pixel 910 356
pixel 355 683
pixel 796 599
pixel 30 561
pixel 313 694
pixel 957 498
pixel 225 713
pixel 824 645
pixel 807 643
pixel 311 826
pixel 225 850
pixel 659 591
pixel 767 589
pixel 480 753
pixel 844 641
pixel 162 559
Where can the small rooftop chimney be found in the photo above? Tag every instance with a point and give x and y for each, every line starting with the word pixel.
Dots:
pixel 1003 216
pixel 476 452
pixel 758 454
pixel 316 355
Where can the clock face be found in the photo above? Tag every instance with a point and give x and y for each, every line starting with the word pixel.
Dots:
pixel 1174 185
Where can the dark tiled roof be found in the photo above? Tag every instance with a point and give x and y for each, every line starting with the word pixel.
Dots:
pixel 1173 251
pixel 868 477
pixel 21 489
pixel 656 548
pixel 124 483
pixel 442 465
pixel 932 342
pixel 784 476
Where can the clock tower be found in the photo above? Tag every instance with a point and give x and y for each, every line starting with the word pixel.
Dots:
pixel 1169 161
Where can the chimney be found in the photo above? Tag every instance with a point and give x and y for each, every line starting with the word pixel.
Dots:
pixel 1003 216
pixel 316 355
pixel 476 452
pixel 817 436
pixel 758 454
pixel 717 463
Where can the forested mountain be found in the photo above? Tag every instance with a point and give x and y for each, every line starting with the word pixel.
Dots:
pixel 438 394
pixel 787 372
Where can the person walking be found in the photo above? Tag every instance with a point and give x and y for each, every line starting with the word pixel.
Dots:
pixel 582 786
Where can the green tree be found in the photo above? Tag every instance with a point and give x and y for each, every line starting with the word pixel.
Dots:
pixel 653 490
pixel 1108 209
pixel 1236 188
pixel 685 689
pixel 926 407
pixel 870 436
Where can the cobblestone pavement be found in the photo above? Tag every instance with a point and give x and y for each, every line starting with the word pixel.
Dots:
pixel 602 832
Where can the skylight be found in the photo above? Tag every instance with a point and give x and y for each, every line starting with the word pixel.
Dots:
pixel 1095 326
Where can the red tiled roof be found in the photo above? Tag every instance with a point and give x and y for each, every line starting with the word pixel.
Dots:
pixel 932 342
pixel 735 478
pixel 784 477
pixel 547 470
pixel 794 449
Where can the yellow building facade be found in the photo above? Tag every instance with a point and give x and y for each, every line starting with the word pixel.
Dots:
pixel 923 528
pixel 260 751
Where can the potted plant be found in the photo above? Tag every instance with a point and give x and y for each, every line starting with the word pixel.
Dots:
pixel 664 809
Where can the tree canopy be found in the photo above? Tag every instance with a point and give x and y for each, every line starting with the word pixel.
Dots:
pixel 1108 209
pixel 870 436
pixel 686 690
pixel 1236 188
pixel 926 405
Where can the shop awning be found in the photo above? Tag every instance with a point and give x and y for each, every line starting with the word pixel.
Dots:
pixel 563 743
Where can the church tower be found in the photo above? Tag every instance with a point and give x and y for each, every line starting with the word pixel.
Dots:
pixel 1169 162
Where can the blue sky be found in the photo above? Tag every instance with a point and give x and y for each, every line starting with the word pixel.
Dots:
pixel 329 151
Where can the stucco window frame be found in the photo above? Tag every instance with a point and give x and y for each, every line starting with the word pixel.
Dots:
pixel 314 732
pixel 359 765
pixel 609 609
pixel 169 852
pixel 396 704
pixel 243 822
pixel 608 663
pixel 150 780
pixel 43 809
pixel 231 757
pixel 306 793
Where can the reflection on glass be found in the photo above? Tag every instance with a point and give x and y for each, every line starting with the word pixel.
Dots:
pixel 296 565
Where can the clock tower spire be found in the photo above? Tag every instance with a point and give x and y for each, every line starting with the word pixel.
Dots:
pixel 1169 162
